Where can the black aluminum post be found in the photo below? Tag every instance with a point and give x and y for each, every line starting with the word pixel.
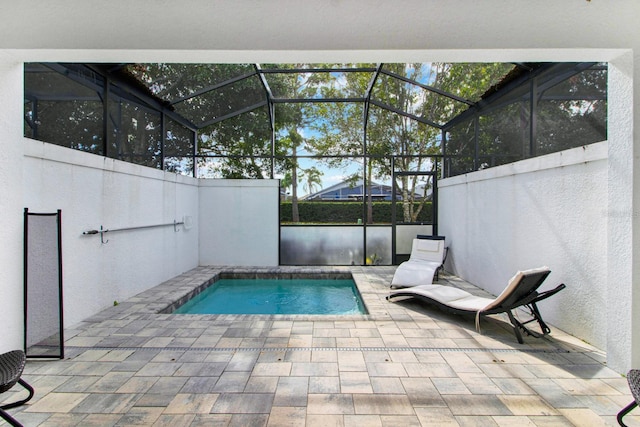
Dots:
pixel 25 277
pixel 476 142
pixel 434 203
pixel 316 100
pixel 195 153
pixel 533 115
pixel 60 297
pixel 163 138
pixel 365 185
pixel 106 99
pixel 393 210
pixel 365 203
pixel 272 114
pixel 445 162
pixel 315 70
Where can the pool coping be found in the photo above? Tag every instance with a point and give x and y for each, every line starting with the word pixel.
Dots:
pixel 157 300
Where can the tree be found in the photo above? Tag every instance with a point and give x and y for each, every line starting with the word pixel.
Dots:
pixel 387 133
pixel 312 179
pixel 236 125
pixel 407 136
pixel 569 113
pixel 53 115
pixel 291 120
pixel 293 140
pixel 231 145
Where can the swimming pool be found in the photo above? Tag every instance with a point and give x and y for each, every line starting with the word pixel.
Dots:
pixel 337 296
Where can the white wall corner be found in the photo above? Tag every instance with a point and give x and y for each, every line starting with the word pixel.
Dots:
pixel 623 237
pixel 11 202
pixel 239 222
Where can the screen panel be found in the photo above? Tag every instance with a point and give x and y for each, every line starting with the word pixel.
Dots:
pixel 43 330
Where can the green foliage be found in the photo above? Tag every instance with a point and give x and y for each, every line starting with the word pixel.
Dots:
pixel 228 105
pixel 345 212
pixel 570 113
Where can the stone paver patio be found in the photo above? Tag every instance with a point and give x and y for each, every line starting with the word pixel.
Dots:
pixel 403 364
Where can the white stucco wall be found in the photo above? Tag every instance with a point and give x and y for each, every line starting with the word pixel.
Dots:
pixel 11 204
pixel 239 222
pixel 234 222
pixel 92 191
pixel 549 210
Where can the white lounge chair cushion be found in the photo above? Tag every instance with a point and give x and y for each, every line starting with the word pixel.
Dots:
pixel 463 300
pixel 513 284
pixel 450 296
pixel 414 273
pixel 427 250
pixel 426 257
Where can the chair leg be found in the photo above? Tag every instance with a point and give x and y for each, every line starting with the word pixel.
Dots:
pixel 624 412
pixel 24 384
pixel 536 314
pixel 8 418
pixel 535 317
pixel 5 415
pixel 516 328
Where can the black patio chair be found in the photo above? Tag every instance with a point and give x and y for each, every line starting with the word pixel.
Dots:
pixel 521 292
pixel 633 378
pixel 11 367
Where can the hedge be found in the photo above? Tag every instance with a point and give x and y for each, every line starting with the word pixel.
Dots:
pixel 346 212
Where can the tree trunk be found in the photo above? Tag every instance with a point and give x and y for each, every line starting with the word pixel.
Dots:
pixel 406 201
pixel 369 198
pixel 295 215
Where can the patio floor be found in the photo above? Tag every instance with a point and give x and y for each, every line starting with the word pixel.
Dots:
pixel 403 364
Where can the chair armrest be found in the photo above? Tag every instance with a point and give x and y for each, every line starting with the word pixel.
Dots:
pixel 547 294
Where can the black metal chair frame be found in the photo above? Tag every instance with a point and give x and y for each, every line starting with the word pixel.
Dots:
pixel 633 378
pixel 528 303
pixel 11 366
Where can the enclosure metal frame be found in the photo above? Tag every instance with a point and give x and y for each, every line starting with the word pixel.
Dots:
pixel 115 85
pixel 502 97
pixel 434 204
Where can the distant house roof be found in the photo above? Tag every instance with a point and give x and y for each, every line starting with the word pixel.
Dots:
pixel 351 190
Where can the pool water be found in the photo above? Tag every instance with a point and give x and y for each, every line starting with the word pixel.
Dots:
pixel 277 296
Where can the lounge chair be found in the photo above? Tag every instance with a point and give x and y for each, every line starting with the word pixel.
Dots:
pixel 11 367
pixel 425 262
pixel 633 378
pixel 521 292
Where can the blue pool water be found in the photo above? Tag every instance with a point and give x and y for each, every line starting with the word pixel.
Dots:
pixel 277 296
